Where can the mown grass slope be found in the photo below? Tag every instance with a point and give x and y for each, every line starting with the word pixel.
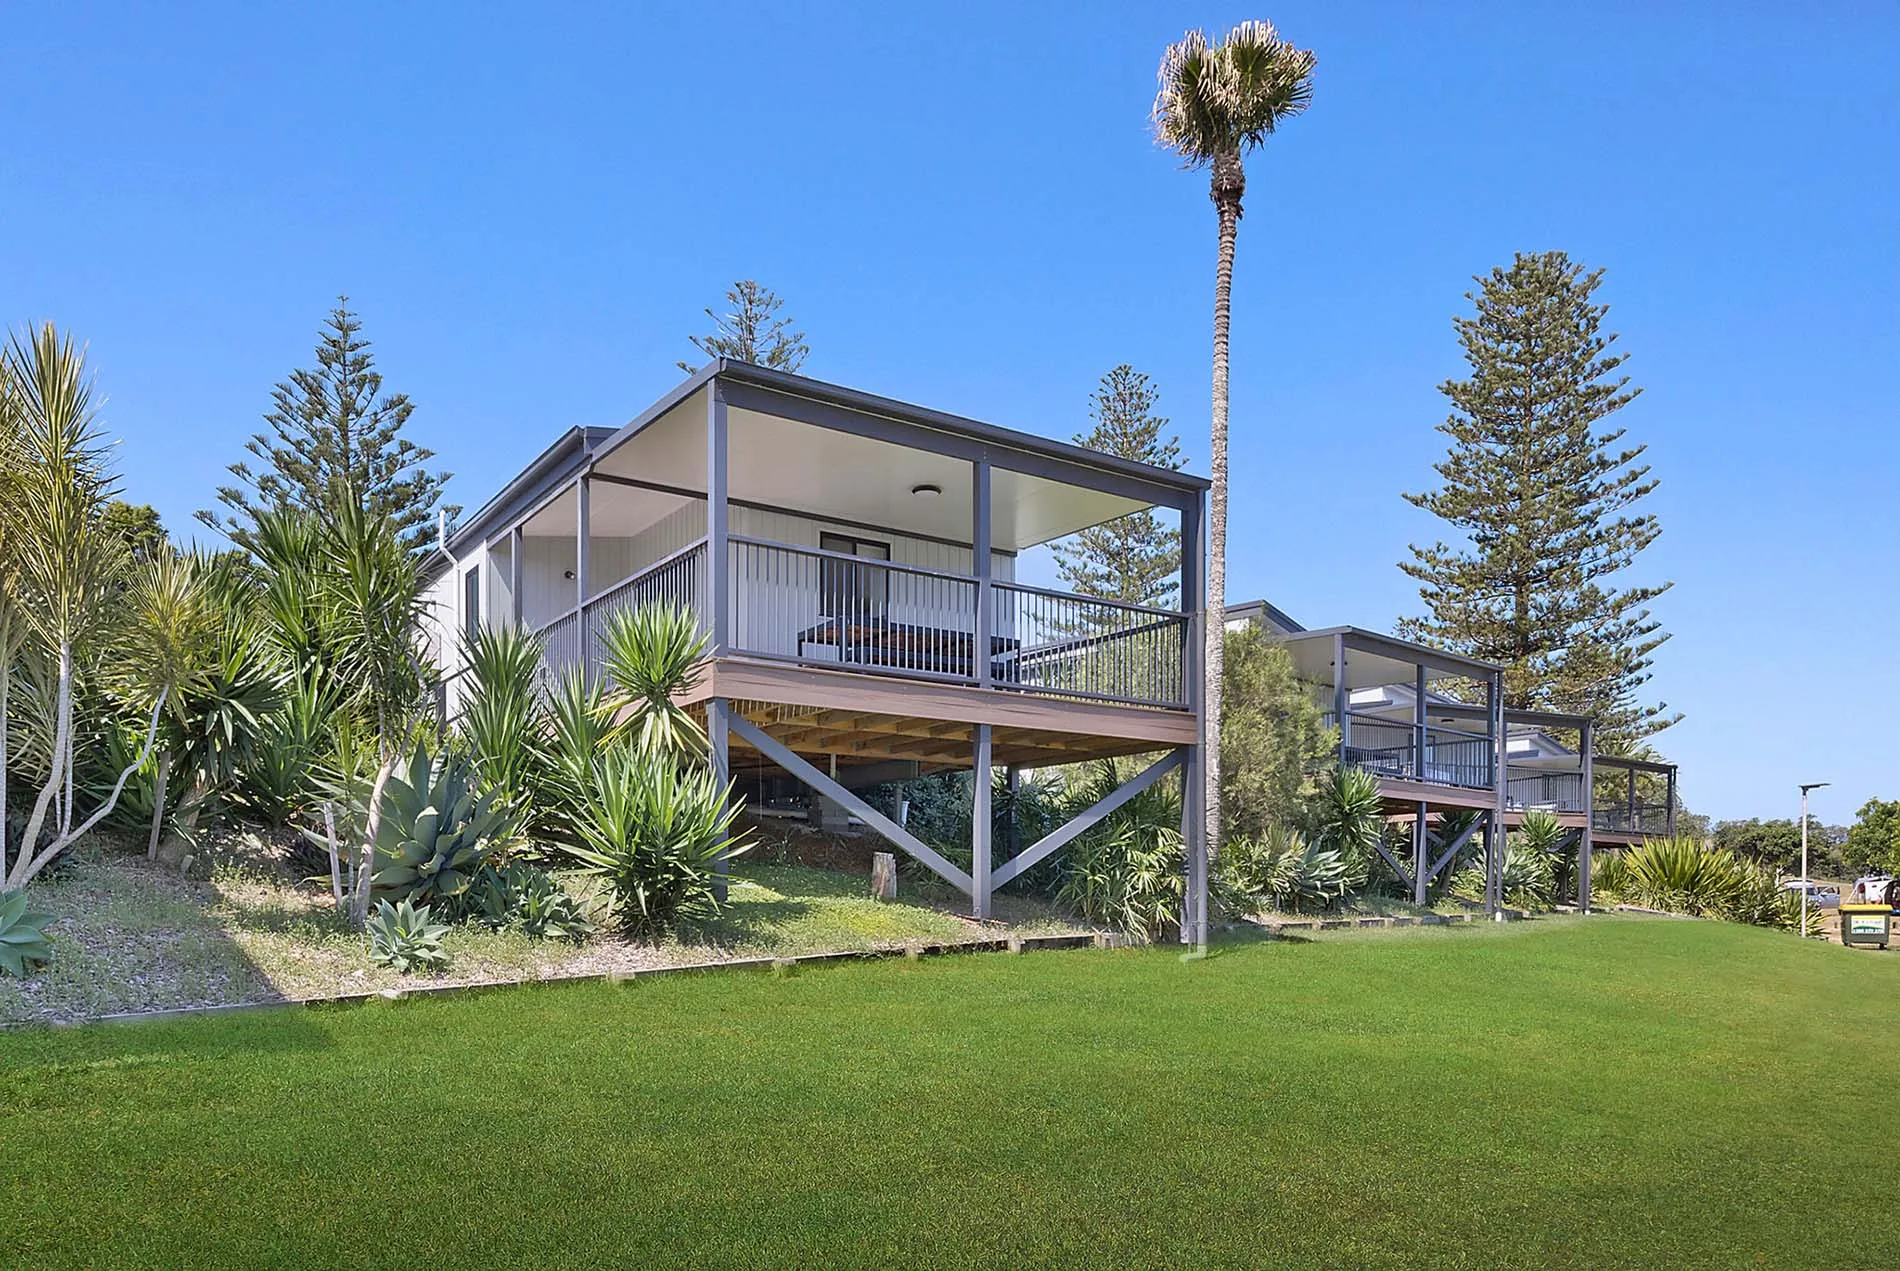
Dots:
pixel 1610 1092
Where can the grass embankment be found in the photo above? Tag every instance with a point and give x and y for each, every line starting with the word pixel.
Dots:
pixel 132 937
pixel 1610 1092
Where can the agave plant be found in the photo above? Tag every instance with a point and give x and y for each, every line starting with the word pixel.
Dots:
pixel 654 831
pixel 651 655
pixel 526 897
pixel 1280 869
pixel 402 938
pixel 436 830
pixel 23 943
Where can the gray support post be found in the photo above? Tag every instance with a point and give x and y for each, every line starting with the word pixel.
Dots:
pixel 1194 768
pixel 1421 852
pixel 583 518
pixel 717 730
pixel 1669 806
pixel 1584 844
pixel 1340 696
pixel 1629 812
pixel 516 572
pixel 980 828
pixel 718 558
pixel 981 566
pixel 1013 778
pixel 1499 752
pixel 1418 726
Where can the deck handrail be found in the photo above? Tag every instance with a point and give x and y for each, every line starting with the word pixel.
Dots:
pixel 629 581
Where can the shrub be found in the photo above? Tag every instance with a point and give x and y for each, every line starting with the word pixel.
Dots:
pixel 1275 743
pixel 501 723
pixel 1348 817
pixel 435 830
pixel 649 655
pixel 525 897
pixel 654 830
pixel 1687 876
pixel 402 938
pixel 1280 869
pixel 579 723
pixel 23 943
pixel 1127 871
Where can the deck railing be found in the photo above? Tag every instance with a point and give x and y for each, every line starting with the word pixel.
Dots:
pixel 1059 643
pixel 821 608
pixel 1533 788
pixel 803 604
pixel 1643 818
pixel 578 636
pixel 1386 748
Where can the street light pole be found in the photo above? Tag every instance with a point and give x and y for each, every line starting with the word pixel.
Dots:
pixel 1812 785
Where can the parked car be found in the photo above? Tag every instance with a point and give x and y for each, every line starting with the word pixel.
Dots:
pixel 1818 895
pixel 1875 889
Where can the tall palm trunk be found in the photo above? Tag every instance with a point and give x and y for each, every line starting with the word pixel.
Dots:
pixel 1229 183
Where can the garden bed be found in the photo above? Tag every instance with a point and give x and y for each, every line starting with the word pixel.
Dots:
pixel 135 936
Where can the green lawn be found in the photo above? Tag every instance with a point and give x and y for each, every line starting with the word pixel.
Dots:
pixel 1612 1092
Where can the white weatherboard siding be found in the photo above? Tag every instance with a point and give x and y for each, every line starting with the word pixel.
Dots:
pixel 769 613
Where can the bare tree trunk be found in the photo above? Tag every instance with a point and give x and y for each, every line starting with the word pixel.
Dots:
pixel 62 726
pixel 336 874
pixel 30 865
pixel 158 805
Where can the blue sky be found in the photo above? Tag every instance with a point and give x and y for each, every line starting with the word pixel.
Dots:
pixel 531 204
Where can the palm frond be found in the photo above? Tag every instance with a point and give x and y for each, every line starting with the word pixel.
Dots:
pixel 1225 99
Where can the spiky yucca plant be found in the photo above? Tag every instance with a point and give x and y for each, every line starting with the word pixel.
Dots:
pixel 654 831
pixel 1348 817
pixel 651 655
pixel 501 724
pixel 1126 872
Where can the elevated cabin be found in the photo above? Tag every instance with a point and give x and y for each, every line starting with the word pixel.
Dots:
pixel 873 579
pixel 1432 727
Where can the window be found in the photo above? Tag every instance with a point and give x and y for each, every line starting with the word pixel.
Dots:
pixel 472 601
pixel 853 592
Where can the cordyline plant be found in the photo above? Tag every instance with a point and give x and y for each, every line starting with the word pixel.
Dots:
pixel 65 578
pixel 1216 103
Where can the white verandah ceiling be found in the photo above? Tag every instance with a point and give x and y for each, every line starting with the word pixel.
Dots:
pixel 828 475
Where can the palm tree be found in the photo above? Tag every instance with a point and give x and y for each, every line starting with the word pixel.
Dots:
pixel 1217 102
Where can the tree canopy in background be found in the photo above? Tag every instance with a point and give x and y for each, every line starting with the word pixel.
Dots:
pixel 335 442
pixel 137 524
pixel 1276 740
pixel 1873 841
pixel 752 332
pixel 1541 491
pixel 1134 558
pixel 1778 843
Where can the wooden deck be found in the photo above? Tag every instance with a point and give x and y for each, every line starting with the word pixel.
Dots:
pixel 862 717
